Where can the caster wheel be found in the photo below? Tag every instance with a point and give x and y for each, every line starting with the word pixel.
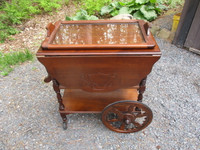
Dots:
pixel 126 116
pixel 64 125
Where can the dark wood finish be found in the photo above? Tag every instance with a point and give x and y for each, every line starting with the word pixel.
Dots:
pixel 48 79
pixel 193 36
pixel 141 89
pixel 186 20
pixel 59 97
pixel 127 116
pixel 96 76
pixel 79 101
pixel 64 118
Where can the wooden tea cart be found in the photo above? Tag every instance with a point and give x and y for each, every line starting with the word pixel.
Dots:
pixel 102 65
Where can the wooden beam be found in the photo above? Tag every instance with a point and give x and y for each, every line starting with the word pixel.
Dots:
pixel 187 16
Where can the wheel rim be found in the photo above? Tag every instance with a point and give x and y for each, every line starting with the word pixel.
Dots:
pixel 127 116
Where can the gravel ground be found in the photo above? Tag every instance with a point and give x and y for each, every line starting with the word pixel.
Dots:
pixel 29 117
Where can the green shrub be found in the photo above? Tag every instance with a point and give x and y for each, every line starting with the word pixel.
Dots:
pixel 16 11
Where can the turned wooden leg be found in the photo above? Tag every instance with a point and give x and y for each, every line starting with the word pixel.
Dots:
pixel 47 79
pixel 64 118
pixel 142 87
pixel 59 97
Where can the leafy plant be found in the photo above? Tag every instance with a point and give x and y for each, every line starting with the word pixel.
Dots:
pixel 140 9
pixel 15 11
pixel 93 7
pixel 8 60
pixel 82 15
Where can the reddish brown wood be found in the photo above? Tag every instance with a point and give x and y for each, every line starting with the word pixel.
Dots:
pixel 59 97
pixel 47 79
pixel 79 101
pixel 49 42
pixel 64 118
pixel 142 87
pixel 50 27
pixel 98 75
pixel 127 116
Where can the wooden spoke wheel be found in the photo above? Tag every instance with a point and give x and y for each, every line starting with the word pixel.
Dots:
pixel 126 116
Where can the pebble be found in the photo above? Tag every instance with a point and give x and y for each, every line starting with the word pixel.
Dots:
pixel 29 116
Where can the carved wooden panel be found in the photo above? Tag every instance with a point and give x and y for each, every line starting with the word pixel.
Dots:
pixel 99 81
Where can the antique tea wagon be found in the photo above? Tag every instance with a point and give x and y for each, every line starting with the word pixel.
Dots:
pixel 102 65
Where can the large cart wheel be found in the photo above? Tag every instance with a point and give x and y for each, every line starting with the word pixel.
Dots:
pixel 126 116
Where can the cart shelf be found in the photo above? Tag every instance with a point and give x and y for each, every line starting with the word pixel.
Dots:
pixel 79 101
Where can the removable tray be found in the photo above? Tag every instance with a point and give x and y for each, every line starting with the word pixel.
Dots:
pixel 101 34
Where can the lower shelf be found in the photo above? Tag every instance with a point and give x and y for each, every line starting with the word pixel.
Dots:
pixel 79 101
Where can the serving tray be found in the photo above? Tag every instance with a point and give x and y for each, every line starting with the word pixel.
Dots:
pixel 101 34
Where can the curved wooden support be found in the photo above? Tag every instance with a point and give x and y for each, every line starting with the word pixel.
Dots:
pixel 59 97
pixel 47 79
pixel 142 87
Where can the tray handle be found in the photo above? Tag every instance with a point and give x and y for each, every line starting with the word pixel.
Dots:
pixel 50 27
pixel 147 29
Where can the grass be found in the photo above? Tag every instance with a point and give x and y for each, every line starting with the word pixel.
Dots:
pixel 9 60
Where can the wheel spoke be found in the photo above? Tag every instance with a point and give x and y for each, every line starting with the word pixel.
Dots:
pixel 131 109
pixel 122 126
pixel 141 115
pixel 113 120
pixel 137 124
pixel 119 113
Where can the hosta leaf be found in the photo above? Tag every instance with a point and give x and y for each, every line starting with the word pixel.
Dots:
pixel 139 15
pixel 131 3
pixel 134 8
pixel 141 1
pixel 148 14
pixel 83 12
pixel 117 5
pixel 80 18
pixel 115 12
pixel 150 7
pixel 121 3
pixel 124 10
pixel 92 17
pixel 158 10
pixel 106 9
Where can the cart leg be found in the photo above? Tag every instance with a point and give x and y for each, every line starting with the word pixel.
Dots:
pixel 47 79
pixel 64 118
pixel 59 97
pixel 141 89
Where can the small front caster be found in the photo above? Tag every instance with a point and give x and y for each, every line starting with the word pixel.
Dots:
pixel 64 125
pixel 64 118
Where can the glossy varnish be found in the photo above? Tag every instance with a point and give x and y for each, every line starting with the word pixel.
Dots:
pixel 99 63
